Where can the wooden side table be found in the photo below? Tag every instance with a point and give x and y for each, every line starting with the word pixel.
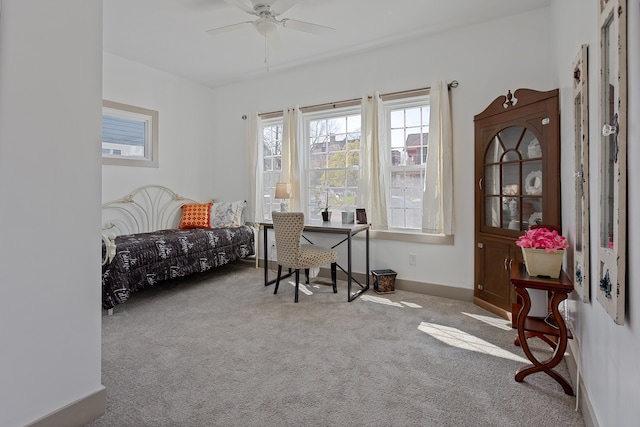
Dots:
pixel 529 327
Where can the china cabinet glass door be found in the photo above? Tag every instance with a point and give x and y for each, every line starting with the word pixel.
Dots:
pixel 512 180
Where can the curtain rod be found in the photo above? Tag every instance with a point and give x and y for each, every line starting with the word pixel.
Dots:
pixel 349 102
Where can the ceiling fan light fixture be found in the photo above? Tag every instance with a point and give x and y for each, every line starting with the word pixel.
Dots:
pixel 266 28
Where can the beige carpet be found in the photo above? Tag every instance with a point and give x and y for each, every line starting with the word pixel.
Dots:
pixel 221 350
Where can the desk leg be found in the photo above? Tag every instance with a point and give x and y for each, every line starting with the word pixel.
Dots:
pixel 367 250
pixel 350 296
pixel 545 365
pixel 266 267
pixel 349 268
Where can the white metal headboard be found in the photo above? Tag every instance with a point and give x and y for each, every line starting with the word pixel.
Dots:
pixel 145 209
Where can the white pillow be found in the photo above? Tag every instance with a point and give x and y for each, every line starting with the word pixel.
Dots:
pixel 227 214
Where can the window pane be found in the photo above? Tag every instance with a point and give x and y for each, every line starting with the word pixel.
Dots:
pixel 272 159
pixel 494 151
pixel 397 119
pixel 129 135
pixel 352 180
pixel 409 139
pixel 413 117
pixel 414 218
pixel 397 218
pixel 333 157
pixel 318 161
pixel 125 135
pixel 353 124
pixel 316 180
pixel 317 128
pixel 353 156
pixel 337 126
pixel 335 178
pixel 397 138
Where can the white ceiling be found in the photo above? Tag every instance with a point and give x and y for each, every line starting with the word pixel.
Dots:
pixel 170 35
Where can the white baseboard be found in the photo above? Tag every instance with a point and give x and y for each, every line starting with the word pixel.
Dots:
pixel 450 292
pixel 76 414
pixel 582 396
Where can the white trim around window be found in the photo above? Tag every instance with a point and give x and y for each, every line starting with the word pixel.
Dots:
pixel 329 160
pixel 406 141
pixel 129 135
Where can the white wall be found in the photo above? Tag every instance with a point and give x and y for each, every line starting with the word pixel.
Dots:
pixel 50 96
pixel 486 59
pixel 608 352
pixel 188 139
pixel 50 70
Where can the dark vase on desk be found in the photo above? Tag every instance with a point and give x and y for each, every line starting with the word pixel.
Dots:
pixel 326 216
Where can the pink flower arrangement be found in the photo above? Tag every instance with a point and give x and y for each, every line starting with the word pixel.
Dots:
pixel 542 238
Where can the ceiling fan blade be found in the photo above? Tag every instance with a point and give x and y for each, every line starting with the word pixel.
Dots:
pixel 241 5
pixel 220 30
pixel 281 6
pixel 307 27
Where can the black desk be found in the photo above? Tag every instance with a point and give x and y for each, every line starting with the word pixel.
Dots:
pixel 347 230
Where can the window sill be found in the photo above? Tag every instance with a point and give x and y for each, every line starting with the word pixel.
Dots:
pixel 411 236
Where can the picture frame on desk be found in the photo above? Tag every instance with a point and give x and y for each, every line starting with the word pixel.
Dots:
pixel 361 216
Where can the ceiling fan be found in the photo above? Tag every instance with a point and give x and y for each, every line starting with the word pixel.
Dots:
pixel 268 23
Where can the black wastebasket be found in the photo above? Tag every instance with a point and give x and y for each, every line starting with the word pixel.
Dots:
pixel 384 281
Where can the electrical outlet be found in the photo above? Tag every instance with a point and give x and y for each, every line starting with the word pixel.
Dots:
pixel 412 259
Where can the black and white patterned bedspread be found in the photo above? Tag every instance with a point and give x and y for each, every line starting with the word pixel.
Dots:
pixel 145 259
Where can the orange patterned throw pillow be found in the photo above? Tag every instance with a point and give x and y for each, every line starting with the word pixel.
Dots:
pixel 195 216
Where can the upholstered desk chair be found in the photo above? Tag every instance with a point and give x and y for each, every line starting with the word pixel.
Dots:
pixel 287 227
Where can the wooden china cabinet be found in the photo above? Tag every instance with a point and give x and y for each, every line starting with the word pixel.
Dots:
pixel 517 180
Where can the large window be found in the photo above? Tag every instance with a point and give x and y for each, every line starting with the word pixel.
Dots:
pixel 329 160
pixel 333 152
pixel 408 138
pixel 271 136
pixel 129 135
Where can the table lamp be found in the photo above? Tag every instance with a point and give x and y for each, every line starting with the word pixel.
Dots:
pixel 283 192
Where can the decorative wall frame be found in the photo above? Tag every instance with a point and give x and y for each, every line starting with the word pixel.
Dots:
pixel 581 244
pixel 613 158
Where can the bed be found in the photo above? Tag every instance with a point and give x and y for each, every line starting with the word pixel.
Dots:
pixel 153 234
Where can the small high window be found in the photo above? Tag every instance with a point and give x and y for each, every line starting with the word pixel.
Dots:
pixel 129 135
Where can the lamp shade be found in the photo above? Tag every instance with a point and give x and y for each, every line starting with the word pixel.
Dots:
pixel 283 190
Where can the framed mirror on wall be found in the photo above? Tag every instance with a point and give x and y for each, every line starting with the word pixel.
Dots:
pixel 612 185
pixel 581 264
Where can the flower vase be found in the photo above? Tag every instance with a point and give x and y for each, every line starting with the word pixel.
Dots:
pixel 326 216
pixel 542 263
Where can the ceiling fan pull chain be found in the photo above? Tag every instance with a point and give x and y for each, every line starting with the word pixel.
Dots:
pixel 266 52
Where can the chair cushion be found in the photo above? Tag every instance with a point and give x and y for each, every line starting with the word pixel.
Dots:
pixel 315 256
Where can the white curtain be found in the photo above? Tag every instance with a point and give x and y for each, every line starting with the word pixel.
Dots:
pixel 256 168
pixel 290 156
pixel 374 161
pixel 437 208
